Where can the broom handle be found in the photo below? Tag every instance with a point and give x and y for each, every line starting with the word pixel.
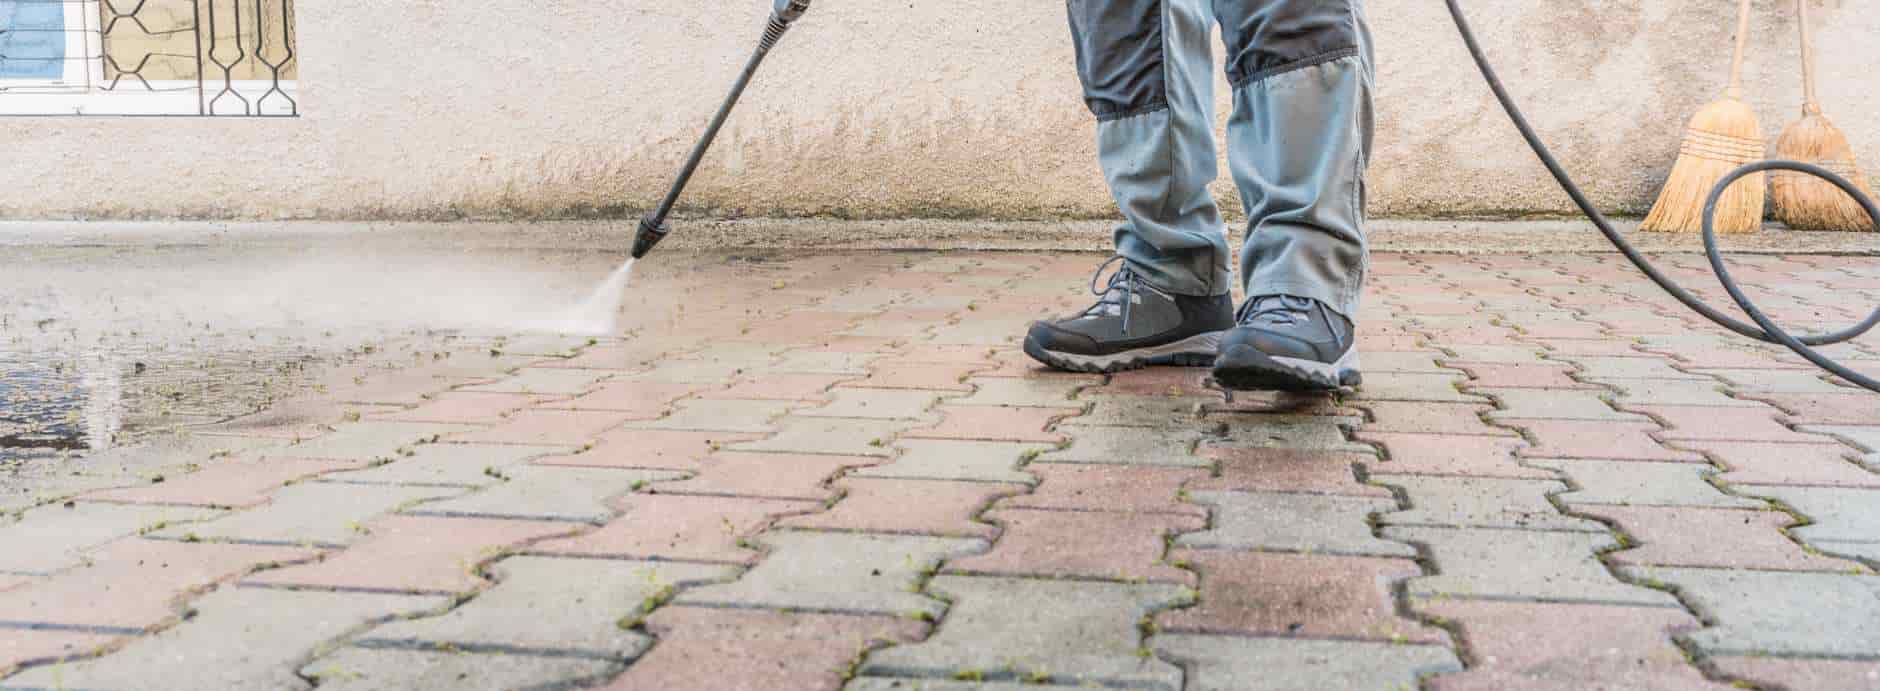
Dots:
pixel 1810 106
pixel 1742 48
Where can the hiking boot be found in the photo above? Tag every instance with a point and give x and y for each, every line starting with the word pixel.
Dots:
pixel 1287 343
pixel 1133 325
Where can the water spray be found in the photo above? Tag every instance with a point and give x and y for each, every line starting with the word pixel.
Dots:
pixel 653 227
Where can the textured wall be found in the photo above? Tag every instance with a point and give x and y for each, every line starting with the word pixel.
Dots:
pixel 878 108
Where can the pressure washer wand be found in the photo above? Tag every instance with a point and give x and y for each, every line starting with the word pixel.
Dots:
pixel 653 226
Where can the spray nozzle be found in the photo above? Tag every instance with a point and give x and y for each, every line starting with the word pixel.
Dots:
pixel 650 234
pixel 787 11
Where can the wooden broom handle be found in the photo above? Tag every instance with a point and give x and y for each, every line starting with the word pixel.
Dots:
pixel 1742 47
pixel 1810 106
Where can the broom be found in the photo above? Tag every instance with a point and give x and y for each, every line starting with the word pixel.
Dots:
pixel 1805 202
pixel 1720 138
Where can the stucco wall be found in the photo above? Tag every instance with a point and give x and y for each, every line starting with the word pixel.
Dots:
pixel 878 108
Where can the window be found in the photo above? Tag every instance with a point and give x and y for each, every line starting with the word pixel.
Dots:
pixel 148 57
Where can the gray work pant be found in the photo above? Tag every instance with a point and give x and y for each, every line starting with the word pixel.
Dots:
pixel 1298 141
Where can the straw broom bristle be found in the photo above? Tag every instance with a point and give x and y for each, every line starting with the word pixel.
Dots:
pixel 1722 137
pixel 1805 202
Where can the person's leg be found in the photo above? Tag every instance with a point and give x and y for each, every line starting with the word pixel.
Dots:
pixel 1147 73
pixel 1298 144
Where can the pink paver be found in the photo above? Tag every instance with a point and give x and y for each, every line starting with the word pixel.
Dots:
pixel 417 554
pixel 773 475
pixel 1598 439
pixel 648 448
pixel 20 646
pixel 1813 675
pixel 466 407
pixel 1156 381
pixel 1753 463
pixel 679 527
pixel 1125 489
pixel 548 427
pixel 909 375
pixel 1306 595
pixel 1082 544
pixel 643 400
pixel 1444 454
pixel 1429 418
pixel 1561 647
pixel 995 423
pixel 1286 470
pixel 1500 375
pixel 799 327
pixel 1725 424
pixel 917 507
pixel 620 357
pixel 1711 538
pixel 788 387
pixel 1823 409
pixel 972 355
pixel 238 484
pixel 1576 347
pixel 134 583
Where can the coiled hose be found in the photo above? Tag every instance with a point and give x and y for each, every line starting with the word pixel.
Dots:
pixel 1764 329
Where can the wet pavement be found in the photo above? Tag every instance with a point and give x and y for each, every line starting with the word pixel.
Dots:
pixel 289 464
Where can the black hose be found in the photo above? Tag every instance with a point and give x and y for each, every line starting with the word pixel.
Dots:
pixel 1765 329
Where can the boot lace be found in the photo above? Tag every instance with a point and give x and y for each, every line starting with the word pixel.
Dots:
pixel 1117 294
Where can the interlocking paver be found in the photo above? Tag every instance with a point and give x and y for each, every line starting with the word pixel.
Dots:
pixel 908 375
pixel 882 404
pixel 753 416
pixel 466 408
pixel 641 399
pixel 24 646
pixel 1303 432
pixel 852 573
pixel 1459 502
pixel 1729 424
pixel 1294 522
pixel 54 537
pixel 1637 483
pixel 1866 438
pixel 652 449
pixel 1297 595
pixel 1521 565
pixel 472 465
pixel 981 423
pixel 1550 404
pixel 1711 538
pixel 1019 392
pixel 772 475
pixel 309 513
pixel 679 527
pixel 1081 544
pixel 780 386
pixel 134 583
pixel 839 436
pixel 1064 632
pixel 1602 368
pixel 914 507
pixel 1674 392
pixel 1429 418
pixel 222 484
pixel 1599 440
pixel 1542 375
pixel 1163 412
pixel 1778 613
pixel 1813 674
pixel 1409 386
pixel 1840 518
pixel 546 380
pixel 548 493
pixel 1568 647
pixel 1246 469
pixel 1756 381
pixel 414 554
pixel 756 650
pixel 1154 381
pixel 1754 463
pixel 551 605
pixel 276 628
pixel 943 459
pixel 1822 409
pixel 386 669
pixel 1127 489
pixel 547 427
pixel 366 441
pixel 703 370
pixel 1232 663
pixel 1441 454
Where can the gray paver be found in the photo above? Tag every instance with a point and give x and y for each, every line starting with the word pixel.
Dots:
pixel 1640 483
pixel 719 415
pixel 1500 354
pixel 1293 522
pixel 548 344
pixel 53 537
pixel 1555 404
pixel 947 459
pixel 367 441
pixel 1778 381
pixel 316 513
pixel 1837 514
pixel 547 380
pixel 1128 446
pixel 1521 564
pixel 1410 386
pixel 695 371
pixel 544 604
pixel 381 669
pixel 1022 392
pixel 1673 392
pixel 829 436
pixel 448 464
pixel 1779 613
pixel 276 629
pixel 555 493
pixel 1866 438
pixel 856 573
pixel 894 329
pixel 988 332
pixel 878 404
pixel 113 467
pixel 1065 632
pixel 1304 432
pixel 898 684
pixel 1407 362
pixel 1162 412
pixel 1229 663
pixel 824 362
pixel 1630 368
pixel 1464 502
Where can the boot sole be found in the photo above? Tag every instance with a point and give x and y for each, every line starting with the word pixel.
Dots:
pixel 1245 368
pixel 1195 351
